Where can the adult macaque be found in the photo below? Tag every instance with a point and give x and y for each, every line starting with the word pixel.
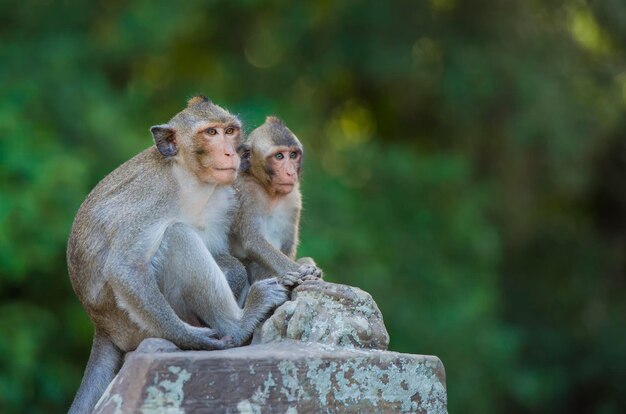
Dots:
pixel 265 230
pixel 146 247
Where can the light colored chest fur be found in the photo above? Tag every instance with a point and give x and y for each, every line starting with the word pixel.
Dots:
pixel 208 209
pixel 278 223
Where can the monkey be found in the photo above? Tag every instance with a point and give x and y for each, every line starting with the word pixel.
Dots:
pixel 146 246
pixel 265 231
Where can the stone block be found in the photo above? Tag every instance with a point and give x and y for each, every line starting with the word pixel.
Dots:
pixel 283 377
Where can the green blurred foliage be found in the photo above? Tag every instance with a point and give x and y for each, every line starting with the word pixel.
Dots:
pixel 466 164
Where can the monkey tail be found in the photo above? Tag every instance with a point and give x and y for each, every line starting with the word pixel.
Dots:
pixel 105 360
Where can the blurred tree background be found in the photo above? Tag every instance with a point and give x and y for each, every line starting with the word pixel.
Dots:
pixel 466 165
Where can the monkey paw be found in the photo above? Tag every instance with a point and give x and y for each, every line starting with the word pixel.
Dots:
pixel 290 279
pixel 207 339
pixel 274 291
pixel 228 342
pixel 309 272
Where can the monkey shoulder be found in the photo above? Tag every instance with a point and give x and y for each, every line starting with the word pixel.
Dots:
pixel 248 190
pixel 115 210
pixel 137 179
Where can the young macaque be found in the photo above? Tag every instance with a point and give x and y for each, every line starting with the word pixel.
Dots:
pixel 265 231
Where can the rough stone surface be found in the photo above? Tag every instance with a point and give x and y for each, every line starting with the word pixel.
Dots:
pixel 327 313
pixel 321 352
pixel 286 377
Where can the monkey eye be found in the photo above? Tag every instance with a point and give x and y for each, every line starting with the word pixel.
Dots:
pixel 211 131
pixel 293 155
pixel 279 156
pixel 230 130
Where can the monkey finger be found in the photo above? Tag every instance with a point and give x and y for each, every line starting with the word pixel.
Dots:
pixel 310 270
pixel 316 272
pixel 296 277
pixel 310 278
pixel 290 279
pixel 306 269
pixel 228 342
pixel 212 343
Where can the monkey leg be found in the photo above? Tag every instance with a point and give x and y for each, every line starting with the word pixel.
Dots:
pixel 147 311
pixel 105 361
pixel 138 292
pixel 257 272
pixel 236 275
pixel 193 282
pixel 205 289
pixel 263 297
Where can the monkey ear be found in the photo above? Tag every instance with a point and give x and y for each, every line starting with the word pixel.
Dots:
pixel 165 139
pixel 245 152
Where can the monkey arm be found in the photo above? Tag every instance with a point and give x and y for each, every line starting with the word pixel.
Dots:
pixel 235 273
pixel 291 237
pixel 249 231
pixel 138 292
pixel 289 246
pixel 279 264
pixel 262 251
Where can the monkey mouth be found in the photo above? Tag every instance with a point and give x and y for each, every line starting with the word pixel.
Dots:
pixel 225 169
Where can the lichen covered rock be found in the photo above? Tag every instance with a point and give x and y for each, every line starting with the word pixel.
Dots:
pixel 287 377
pixel 327 313
pixel 321 352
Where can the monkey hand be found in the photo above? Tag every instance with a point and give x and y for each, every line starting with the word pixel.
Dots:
pixel 309 272
pixel 290 279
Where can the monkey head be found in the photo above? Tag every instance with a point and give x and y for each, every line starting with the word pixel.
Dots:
pixel 273 155
pixel 203 138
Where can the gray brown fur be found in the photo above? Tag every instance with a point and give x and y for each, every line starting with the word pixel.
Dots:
pixel 144 258
pixel 265 230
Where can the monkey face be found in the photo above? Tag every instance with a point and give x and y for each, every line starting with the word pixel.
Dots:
pixel 283 168
pixel 202 137
pixel 273 155
pixel 214 158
